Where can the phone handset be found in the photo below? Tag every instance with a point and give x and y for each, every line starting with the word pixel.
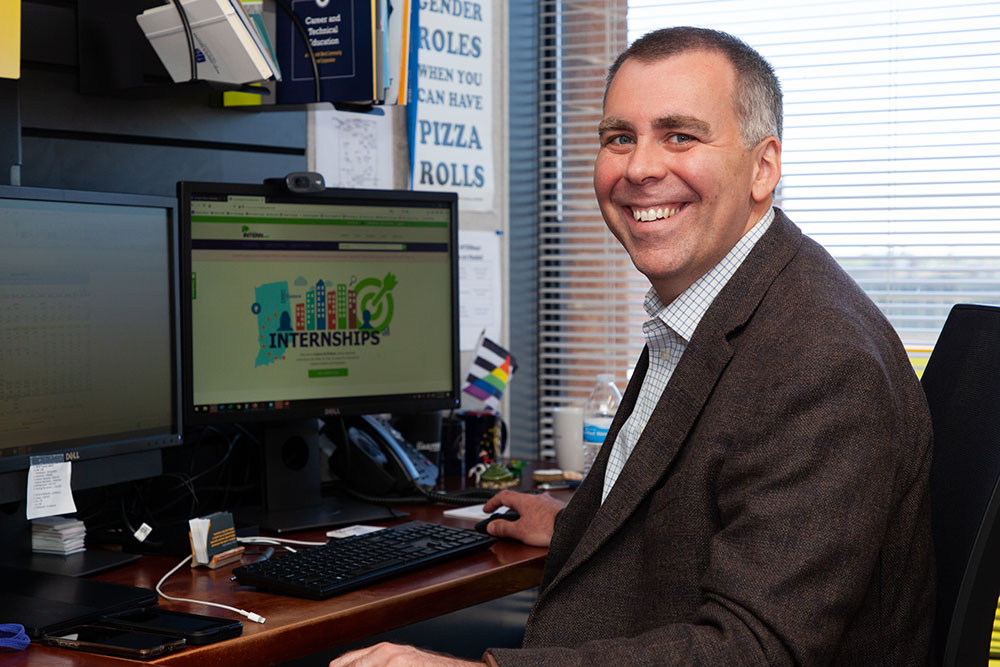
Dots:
pixel 370 459
pixel 393 447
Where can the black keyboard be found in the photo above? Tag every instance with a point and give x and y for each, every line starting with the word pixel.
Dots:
pixel 352 562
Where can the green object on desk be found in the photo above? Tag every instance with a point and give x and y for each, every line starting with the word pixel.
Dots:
pixel 497 476
pixel 497 473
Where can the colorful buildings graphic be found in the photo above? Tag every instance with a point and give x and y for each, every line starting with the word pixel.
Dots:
pixel 326 309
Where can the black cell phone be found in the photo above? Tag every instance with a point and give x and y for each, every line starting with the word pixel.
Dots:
pixel 114 641
pixel 195 628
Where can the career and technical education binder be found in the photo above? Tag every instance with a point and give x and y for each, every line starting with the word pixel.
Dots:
pixel 344 36
pixel 42 602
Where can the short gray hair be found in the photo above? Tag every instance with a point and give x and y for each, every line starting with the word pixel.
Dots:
pixel 758 93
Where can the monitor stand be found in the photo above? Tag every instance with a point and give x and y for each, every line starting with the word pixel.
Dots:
pixel 291 475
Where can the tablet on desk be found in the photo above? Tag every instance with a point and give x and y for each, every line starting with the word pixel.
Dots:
pixel 196 629
pixel 41 601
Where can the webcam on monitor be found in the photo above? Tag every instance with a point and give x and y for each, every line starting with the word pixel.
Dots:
pixel 301 182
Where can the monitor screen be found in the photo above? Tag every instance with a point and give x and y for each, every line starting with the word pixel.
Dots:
pixel 317 304
pixel 88 333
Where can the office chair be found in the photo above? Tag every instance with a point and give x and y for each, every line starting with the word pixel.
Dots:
pixel 962 385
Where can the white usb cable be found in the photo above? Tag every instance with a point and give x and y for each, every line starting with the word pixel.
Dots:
pixel 256 618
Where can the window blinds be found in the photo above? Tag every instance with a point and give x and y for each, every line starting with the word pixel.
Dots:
pixel 891 160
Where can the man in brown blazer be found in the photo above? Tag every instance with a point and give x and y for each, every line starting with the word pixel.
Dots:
pixel 762 495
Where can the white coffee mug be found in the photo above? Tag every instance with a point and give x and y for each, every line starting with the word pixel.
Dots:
pixel 567 433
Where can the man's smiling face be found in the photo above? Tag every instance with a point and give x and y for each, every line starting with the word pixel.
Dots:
pixel 676 184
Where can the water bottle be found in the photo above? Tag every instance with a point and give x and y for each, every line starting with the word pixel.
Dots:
pixel 598 412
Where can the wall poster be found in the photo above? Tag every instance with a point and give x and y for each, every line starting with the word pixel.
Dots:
pixel 451 132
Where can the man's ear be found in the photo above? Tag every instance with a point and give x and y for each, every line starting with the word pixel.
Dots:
pixel 767 168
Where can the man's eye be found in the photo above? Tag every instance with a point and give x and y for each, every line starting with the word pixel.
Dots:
pixel 680 138
pixel 619 139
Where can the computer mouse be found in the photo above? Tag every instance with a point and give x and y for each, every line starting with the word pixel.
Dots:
pixel 509 515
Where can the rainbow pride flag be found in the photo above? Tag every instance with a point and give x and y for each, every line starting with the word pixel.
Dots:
pixel 489 374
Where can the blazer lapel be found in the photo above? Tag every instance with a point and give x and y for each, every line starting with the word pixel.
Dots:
pixel 667 429
pixel 590 524
pixel 587 498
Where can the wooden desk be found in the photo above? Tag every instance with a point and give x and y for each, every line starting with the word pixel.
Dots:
pixel 297 627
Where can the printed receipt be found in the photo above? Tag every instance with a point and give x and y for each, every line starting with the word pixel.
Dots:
pixel 48 487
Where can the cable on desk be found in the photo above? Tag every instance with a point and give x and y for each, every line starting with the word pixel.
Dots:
pixel 256 618
pixel 277 541
pixel 257 539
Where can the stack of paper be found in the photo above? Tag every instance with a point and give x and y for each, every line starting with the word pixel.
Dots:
pixel 57 535
pixel 228 47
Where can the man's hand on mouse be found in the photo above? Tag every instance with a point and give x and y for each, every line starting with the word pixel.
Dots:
pixel 538 517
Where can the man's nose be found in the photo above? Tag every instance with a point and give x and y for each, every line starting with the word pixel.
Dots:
pixel 647 162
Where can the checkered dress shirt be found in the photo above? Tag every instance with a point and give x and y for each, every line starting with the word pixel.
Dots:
pixel 667 332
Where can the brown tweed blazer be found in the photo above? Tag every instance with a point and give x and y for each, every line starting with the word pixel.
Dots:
pixel 775 510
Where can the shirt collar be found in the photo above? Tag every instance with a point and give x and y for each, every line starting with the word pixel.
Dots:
pixel 684 313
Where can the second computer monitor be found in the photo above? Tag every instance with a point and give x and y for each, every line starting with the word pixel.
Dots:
pixel 317 304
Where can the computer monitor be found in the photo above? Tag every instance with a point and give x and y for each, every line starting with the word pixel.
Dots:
pixel 299 306
pixel 89 330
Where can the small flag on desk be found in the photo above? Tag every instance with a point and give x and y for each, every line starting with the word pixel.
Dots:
pixel 490 373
